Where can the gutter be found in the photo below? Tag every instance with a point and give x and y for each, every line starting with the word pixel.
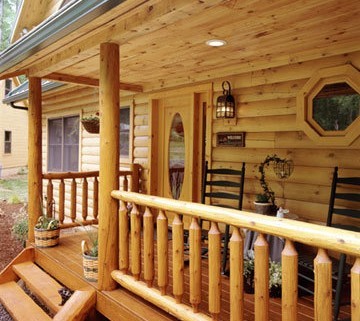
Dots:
pixel 71 17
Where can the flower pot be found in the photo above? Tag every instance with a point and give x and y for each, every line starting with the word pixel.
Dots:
pixel 91 125
pixel 46 238
pixel 263 208
pixel 90 264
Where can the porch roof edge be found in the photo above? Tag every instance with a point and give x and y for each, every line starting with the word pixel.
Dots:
pixel 54 28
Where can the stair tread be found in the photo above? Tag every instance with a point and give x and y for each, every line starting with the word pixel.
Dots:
pixel 41 284
pixel 19 305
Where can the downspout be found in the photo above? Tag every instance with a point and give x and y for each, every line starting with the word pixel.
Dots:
pixel 12 104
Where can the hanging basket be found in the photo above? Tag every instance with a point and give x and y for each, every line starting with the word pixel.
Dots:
pixel 46 238
pixel 92 126
pixel 90 264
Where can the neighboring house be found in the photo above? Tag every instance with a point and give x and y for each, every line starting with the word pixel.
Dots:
pixel 13 133
pixel 148 69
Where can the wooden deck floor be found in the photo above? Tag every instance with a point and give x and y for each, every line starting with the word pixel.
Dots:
pixel 67 267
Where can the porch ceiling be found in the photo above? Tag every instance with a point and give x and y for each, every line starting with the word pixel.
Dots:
pixel 162 43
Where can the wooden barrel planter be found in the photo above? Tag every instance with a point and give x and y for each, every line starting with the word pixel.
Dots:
pixel 90 264
pixel 46 238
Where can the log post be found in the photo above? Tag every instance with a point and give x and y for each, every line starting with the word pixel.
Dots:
pixel 85 188
pixel 289 257
pixel 323 288
pixel 149 269
pixel 162 251
pixel 62 201
pixel 34 155
pixel 123 238
pixel 261 249
pixel 135 244
pixel 135 177
pixel 236 276
pixel 178 257
pixel 109 164
pixel 355 290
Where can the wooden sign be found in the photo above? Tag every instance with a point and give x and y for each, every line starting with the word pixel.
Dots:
pixel 235 139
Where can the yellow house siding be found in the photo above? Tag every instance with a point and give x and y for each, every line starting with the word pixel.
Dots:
pixel 16 121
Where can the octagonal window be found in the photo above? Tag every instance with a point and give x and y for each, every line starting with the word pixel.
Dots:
pixel 336 107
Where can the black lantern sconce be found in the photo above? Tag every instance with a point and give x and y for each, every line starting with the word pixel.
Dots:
pixel 225 104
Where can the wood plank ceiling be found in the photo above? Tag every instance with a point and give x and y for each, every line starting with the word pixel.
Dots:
pixel 162 42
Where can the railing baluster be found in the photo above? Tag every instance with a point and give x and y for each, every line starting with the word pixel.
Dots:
pixel 236 245
pixel 214 270
pixel 135 221
pixel 49 198
pixel 148 247
pixel 162 251
pixel 73 200
pixel 261 250
pixel 96 198
pixel 61 201
pixel 355 291
pixel 178 257
pixel 289 258
pixel 195 264
pixel 323 292
pixel 123 238
pixel 84 199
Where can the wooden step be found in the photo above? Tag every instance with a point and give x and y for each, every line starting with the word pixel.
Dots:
pixel 19 305
pixel 41 284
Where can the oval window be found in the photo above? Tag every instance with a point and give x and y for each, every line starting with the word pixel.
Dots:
pixel 176 156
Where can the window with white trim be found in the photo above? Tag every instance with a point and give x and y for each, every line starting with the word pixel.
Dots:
pixel 63 144
pixel 7 141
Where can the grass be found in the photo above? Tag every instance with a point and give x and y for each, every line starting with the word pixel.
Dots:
pixel 14 189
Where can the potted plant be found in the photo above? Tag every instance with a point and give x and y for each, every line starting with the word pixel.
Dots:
pixel 275 275
pixel 47 231
pixel 90 255
pixel 262 204
pixel 91 123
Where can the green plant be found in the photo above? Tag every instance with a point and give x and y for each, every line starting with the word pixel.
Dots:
pixel 93 249
pixel 46 223
pixel 91 117
pixel 262 198
pixel 21 226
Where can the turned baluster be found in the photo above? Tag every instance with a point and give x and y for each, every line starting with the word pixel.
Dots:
pixel 178 257
pixel 96 198
pixel 214 236
pixel 49 198
pixel 355 290
pixel 261 276
pixel 73 200
pixel 135 230
pixel 61 201
pixel 84 199
pixel 289 262
pixel 236 245
pixel 195 264
pixel 148 220
pixel 323 287
pixel 162 251
pixel 123 238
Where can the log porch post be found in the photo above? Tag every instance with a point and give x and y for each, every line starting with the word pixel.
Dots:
pixel 34 154
pixel 109 164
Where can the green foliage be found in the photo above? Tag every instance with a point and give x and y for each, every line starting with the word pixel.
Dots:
pixel 262 198
pixel 47 223
pixel 20 228
pixel 8 18
pixel 14 186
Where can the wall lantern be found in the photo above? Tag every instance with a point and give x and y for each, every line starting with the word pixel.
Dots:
pixel 225 104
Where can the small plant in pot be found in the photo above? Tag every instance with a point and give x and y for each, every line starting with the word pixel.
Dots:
pixel 91 123
pixel 90 255
pixel 262 204
pixel 47 231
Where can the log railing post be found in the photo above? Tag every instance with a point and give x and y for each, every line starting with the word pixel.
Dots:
pixel 323 288
pixel 84 204
pixel 34 154
pixel 135 177
pixel 73 200
pixel 178 257
pixel 61 201
pixel 261 275
pixel 49 198
pixel 109 163
pixel 135 230
pixel 214 270
pixel 236 276
pixel 195 264
pixel 149 270
pixel 162 251
pixel 289 282
pixel 355 291
pixel 96 198
pixel 123 238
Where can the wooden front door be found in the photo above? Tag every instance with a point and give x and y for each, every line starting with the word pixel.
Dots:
pixel 178 143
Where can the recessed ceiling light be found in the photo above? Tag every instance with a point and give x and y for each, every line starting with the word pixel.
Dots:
pixel 216 42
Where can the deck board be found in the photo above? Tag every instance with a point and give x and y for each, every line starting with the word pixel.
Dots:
pixel 67 255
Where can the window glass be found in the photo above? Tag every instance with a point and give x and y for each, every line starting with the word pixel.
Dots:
pixel 8 86
pixel 124 132
pixel 63 138
pixel 336 107
pixel 7 142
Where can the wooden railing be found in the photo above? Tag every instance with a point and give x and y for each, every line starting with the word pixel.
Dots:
pixel 130 264
pixel 71 182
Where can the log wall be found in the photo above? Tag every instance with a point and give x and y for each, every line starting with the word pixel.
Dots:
pixel 266 112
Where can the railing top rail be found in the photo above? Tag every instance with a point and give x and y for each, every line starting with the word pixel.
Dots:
pixel 70 175
pixel 307 233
